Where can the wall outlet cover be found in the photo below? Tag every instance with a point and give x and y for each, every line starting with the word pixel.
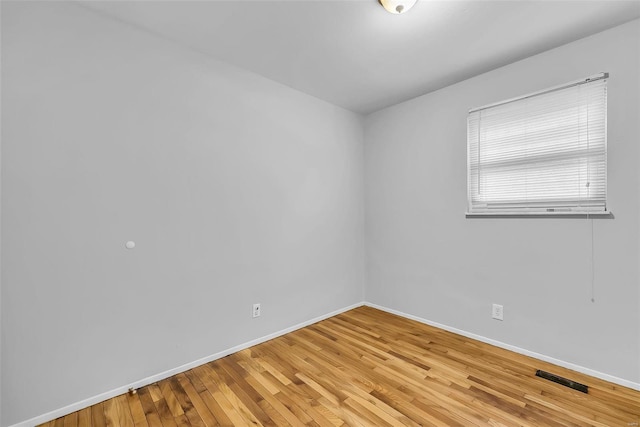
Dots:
pixel 497 312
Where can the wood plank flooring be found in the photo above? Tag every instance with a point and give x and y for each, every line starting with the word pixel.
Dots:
pixel 366 367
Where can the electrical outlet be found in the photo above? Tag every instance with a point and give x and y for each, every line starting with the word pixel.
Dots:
pixel 497 312
pixel 256 310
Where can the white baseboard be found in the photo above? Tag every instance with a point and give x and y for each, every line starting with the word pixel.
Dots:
pixel 568 365
pixel 166 374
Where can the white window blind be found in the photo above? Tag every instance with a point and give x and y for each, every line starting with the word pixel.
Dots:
pixel 541 153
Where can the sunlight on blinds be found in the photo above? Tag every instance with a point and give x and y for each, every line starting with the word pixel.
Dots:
pixel 541 153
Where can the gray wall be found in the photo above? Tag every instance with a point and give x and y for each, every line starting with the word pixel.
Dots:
pixel 425 259
pixel 235 189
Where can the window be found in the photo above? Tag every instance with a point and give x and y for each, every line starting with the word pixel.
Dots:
pixel 540 153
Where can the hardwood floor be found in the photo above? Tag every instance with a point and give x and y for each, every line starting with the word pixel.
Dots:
pixel 366 367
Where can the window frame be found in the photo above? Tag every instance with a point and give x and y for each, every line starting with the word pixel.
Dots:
pixel 528 209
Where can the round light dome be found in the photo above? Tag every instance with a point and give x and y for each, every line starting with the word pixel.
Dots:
pixel 397 6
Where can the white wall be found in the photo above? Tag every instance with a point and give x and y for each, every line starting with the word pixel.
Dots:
pixel 0 224
pixel 426 259
pixel 235 189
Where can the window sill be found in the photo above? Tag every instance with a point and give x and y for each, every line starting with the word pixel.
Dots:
pixel 599 215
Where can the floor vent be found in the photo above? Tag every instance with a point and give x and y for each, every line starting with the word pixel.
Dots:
pixel 564 381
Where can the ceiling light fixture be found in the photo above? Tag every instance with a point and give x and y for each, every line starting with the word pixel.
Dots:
pixel 397 6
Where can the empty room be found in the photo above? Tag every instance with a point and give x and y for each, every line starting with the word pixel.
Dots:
pixel 320 213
